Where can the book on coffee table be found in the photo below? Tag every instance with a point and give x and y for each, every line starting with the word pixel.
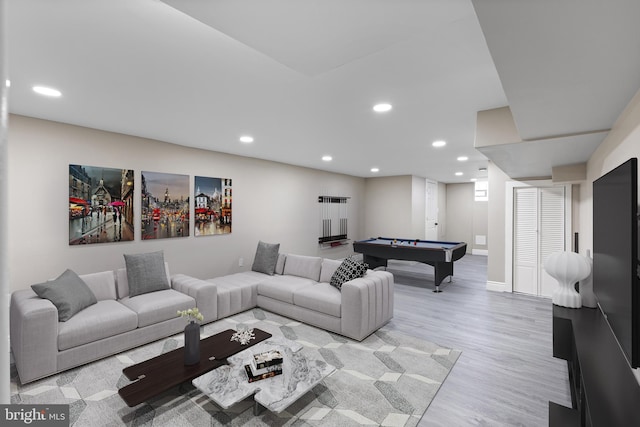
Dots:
pixel 266 359
pixel 271 371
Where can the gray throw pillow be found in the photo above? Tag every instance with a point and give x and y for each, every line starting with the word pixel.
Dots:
pixel 146 273
pixel 266 258
pixel 69 293
pixel 349 269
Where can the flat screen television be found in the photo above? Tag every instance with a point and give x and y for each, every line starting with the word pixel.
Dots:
pixel 615 255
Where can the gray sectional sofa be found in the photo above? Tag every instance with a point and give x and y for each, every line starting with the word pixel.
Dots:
pixel 43 346
pixel 298 289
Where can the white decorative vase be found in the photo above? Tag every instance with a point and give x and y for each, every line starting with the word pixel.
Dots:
pixel 586 286
pixel 567 268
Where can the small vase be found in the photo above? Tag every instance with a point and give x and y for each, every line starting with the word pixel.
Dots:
pixel 192 343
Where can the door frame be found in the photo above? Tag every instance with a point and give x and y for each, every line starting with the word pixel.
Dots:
pixel 508 234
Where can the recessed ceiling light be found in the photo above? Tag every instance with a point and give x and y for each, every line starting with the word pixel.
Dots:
pixel 458 173
pixel 374 170
pixel 327 158
pixel 382 108
pixel 47 91
pixel 463 158
pixel 473 179
pixel 7 83
pixel 246 139
pixel 439 143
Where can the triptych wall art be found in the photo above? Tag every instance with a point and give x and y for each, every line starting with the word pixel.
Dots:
pixel 101 205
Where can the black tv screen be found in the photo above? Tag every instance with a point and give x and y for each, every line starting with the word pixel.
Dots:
pixel 615 255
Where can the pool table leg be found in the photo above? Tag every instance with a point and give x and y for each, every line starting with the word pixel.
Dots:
pixel 442 270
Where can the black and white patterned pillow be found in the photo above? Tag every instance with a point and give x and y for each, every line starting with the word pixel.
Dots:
pixel 349 269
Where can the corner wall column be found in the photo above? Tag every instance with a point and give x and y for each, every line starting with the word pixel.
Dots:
pixel 4 211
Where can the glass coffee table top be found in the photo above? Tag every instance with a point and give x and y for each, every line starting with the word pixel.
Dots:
pixel 229 384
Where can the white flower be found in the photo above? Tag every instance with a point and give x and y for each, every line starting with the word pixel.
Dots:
pixel 193 314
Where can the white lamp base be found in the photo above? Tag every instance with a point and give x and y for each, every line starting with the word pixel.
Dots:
pixel 567 268
pixel 566 296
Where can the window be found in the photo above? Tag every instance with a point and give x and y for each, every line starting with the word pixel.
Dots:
pixel 482 191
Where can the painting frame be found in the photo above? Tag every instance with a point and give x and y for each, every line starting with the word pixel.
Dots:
pixel 164 205
pixel 213 206
pixel 100 204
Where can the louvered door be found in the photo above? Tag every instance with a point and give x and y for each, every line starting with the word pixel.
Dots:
pixel 525 241
pixel 538 231
pixel 552 232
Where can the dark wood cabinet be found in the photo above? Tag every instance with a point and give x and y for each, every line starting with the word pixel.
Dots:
pixel 604 389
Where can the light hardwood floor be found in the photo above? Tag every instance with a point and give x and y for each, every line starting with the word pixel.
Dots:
pixel 506 374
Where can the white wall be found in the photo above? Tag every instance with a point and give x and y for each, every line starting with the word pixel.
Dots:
pixel 496 225
pixel 459 213
pixel 4 217
pixel 272 202
pixel 622 143
pixel 395 207
pixel 388 207
pixel 442 211
pixel 418 208
pixel 466 217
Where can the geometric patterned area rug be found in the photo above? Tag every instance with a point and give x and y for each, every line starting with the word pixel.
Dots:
pixel 388 379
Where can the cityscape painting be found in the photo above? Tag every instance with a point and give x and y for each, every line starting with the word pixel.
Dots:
pixel 165 205
pixel 212 206
pixel 100 205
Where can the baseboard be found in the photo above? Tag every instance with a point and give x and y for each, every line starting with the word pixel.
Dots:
pixel 484 252
pixel 497 286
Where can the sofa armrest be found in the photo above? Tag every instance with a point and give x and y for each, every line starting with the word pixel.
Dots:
pixel 34 335
pixel 205 294
pixel 367 304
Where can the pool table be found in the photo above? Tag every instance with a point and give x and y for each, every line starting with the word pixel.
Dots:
pixel 440 255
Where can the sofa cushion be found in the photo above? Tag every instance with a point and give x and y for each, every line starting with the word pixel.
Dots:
pixel 303 266
pixel 105 319
pixel 266 258
pixel 68 292
pixel 122 283
pixel 103 284
pixel 282 258
pixel 321 297
pixel 146 273
pixel 155 307
pixel 282 288
pixel 329 266
pixel 349 269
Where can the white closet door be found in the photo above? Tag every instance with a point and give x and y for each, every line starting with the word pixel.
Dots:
pixel 538 231
pixel 525 241
pixel 552 232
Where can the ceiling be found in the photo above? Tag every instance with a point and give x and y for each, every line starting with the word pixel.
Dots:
pixel 302 76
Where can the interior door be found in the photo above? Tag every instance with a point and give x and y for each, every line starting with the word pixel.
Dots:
pixel 552 233
pixel 431 229
pixel 538 231
pixel 525 241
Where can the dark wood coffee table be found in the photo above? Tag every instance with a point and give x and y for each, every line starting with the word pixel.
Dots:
pixel 167 370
